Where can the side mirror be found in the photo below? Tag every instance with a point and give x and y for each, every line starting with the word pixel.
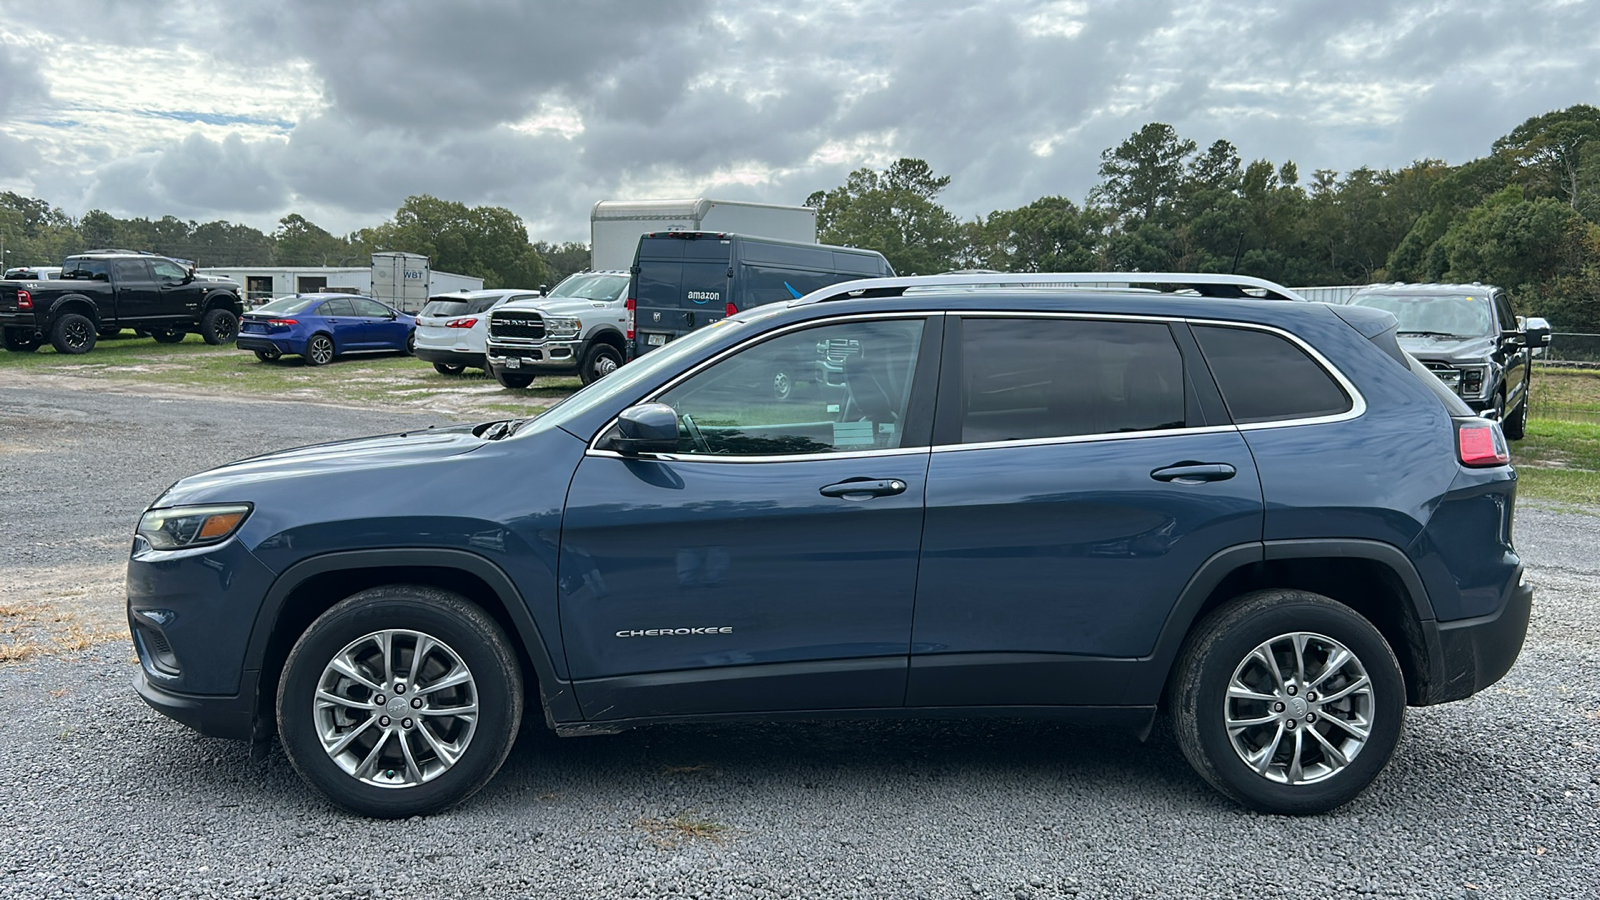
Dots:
pixel 646 428
pixel 1538 332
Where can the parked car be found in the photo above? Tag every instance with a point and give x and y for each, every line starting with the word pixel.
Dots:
pixel 320 327
pixel 1468 336
pixel 576 329
pixel 100 292
pixel 1259 516
pixel 452 328
pixel 33 273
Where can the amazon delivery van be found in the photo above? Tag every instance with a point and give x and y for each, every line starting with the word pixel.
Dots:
pixel 683 280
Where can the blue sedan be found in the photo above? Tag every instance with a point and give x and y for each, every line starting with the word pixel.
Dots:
pixel 319 327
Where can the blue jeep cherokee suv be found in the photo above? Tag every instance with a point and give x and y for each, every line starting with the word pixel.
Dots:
pixel 1259 515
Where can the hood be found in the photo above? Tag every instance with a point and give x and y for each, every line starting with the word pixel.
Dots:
pixel 236 479
pixel 559 306
pixel 1450 349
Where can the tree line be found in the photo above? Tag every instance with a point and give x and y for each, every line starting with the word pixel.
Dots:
pixel 488 242
pixel 1525 216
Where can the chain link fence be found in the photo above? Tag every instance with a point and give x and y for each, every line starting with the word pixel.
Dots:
pixel 1572 350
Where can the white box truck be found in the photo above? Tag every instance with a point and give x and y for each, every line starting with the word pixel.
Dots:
pixel 615 225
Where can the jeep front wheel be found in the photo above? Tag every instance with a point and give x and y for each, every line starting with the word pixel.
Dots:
pixel 219 326
pixel 73 333
pixel 1288 702
pixel 400 701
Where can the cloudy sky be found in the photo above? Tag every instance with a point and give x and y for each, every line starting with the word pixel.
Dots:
pixel 248 110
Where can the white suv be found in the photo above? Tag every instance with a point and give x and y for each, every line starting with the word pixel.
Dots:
pixel 452 327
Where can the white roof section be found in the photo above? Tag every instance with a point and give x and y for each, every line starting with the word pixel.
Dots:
pixel 696 208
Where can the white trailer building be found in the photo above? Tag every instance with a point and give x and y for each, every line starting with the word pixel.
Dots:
pixel 403 280
pixel 615 225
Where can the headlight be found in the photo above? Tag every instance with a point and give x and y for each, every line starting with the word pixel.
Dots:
pixel 191 526
pixel 562 326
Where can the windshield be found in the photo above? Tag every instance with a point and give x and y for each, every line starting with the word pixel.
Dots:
pixel 1457 315
pixel 286 305
pixel 592 286
pixel 627 379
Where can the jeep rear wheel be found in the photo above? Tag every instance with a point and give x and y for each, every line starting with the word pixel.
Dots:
pixel 73 333
pixel 1287 702
pixel 400 701
pixel 219 326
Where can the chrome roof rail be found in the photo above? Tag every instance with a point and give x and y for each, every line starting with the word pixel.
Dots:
pixel 1239 287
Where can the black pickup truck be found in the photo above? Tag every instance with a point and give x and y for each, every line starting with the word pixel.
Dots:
pixel 104 291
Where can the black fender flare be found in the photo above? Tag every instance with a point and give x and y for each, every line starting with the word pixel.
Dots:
pixel 222 298
pixel 559 701
pixel 72 303
pixel 1149 685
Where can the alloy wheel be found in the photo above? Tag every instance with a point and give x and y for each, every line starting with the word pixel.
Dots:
pixel 1299 708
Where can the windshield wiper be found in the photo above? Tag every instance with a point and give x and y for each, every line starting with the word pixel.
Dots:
pixel 1445 334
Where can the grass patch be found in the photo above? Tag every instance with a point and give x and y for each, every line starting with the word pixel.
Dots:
pixel 385 380
pixel 1559 393
pixel 1559 461
pixel 29 632
pixel 684 828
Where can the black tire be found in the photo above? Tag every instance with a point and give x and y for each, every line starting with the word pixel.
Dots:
pixel 1516 425
pixel 73 333
pixel 319 350
pixel 509 380
pixel 1221 646
pixel 21 340
pixel 168 335
pixel 467 639
pixel 108 332
pixel 268 355
pixel 219 326
pixel 447 369
pixel 411 343
pixel 599 360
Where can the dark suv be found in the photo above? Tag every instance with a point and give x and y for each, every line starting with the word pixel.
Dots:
pixel 1262 516
pixel 1467 335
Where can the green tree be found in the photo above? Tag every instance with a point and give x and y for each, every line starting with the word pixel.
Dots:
pixel 489 242
pixel 563 259
pixel 1142 178
pixel 298 241
pixel 1551 152
pixel 1051 234
pixel 895 213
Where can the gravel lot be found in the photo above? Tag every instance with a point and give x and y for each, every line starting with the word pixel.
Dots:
pixel 1497 796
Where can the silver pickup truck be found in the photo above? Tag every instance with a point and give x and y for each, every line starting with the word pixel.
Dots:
pixel 578 328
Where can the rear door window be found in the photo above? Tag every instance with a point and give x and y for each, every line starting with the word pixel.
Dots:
pixel 1267 378
pixel 1028 379
pixel 131 271
pixel 339 306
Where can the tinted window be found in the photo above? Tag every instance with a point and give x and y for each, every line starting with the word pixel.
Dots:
pixel 131 270
pixel 442 307
pixel 339 306
pixel 1040 378
pixel 734 407
pixel 484 304
pixel 87 269
pixel 769 285
pixel 286 305
pixel 1266 378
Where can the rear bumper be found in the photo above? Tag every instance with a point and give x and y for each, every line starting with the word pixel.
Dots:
pixel 1472 654
pixel 450 357
pixel 257 342
pixel 19 320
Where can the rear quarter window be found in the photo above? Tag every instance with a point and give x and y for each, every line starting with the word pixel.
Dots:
pixel 444 308
pixel 1267 378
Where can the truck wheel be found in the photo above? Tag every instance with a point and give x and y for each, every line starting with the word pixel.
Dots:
pixel 1516 425
pixel 1287 701
pixel 509 380
pixel 319 350
pixel 599 361
pixel 219 326
pixel 168 335
pixel 73 333
pixel 447 369
pixel 400 701
pixel 21 340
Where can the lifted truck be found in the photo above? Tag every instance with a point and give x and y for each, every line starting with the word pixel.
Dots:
pixel 102 292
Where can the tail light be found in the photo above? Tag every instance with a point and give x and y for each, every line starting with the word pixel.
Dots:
pixel 1481 444
pixel 282 323
pixel 731 309
pixel 25 300
pixel 631 305
pixel 461 323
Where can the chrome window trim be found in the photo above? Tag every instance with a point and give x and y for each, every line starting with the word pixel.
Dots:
pixel 592 450
pixel 1087 438
pixel 1358 403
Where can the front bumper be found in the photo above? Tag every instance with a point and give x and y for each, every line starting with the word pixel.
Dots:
pixel 450 357
pixel 554 357
pixel 230 716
